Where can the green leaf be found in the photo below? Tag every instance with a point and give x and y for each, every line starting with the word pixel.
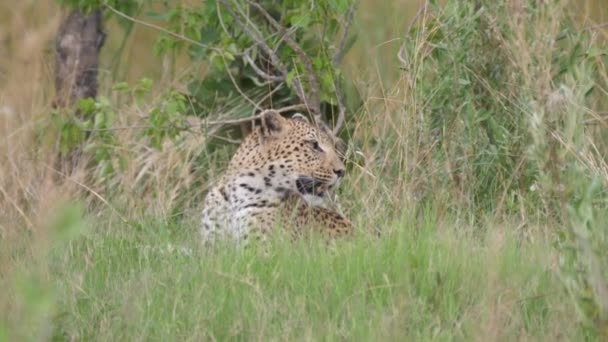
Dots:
pixel 340 6
pixel 100 121
pixel 86 106
pixel 302 20
pixel 209 35
pixel 145 84
pixel 290 76
pixel 121 87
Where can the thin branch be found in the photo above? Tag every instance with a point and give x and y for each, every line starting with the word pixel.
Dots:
pixel 259 116
pixel 341 108
pixel 260 72
pixel 247 16
pixel 219 16
pixel 421 10
pixel 335 61
pixel 156 27
pixel 290 108
pixel 271 54
pixel 595 27
pixel 204 123
pixel 235 84
pixel 267 96
pixel 349 18
pixel 312 79
pixel 256 37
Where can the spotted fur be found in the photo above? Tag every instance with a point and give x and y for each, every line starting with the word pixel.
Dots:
pixel 270 179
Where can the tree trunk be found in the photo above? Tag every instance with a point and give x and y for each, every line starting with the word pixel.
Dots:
pixel 77 49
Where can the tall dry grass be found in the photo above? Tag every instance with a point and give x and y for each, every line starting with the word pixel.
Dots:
pixel 391 108
pixel 26 33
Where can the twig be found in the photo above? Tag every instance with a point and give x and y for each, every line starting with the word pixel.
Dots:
pixel 349 18
pixel 240 121
pixel 219 17
pixel 255 36
pixel 421 10
pixel 595 27
pixel 312 79
pixel 156 27
pixel 267 96
pixel 236 85
pixel 228 140
pixel 341 109
pixel 271 54
pixel 204 123
pixel 245 54
pixel 260 72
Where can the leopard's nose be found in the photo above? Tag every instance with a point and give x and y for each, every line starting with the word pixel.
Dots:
pixel 339 173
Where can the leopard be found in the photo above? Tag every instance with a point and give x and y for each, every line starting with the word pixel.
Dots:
pixel 279 177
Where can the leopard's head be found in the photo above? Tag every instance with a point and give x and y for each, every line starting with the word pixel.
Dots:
pixel 305 154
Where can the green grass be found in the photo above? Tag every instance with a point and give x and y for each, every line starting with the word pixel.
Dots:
pixel 421 280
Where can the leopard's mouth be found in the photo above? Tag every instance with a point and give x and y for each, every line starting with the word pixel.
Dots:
pixel 311 186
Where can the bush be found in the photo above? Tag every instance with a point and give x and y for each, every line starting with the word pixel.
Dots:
pixel 501 96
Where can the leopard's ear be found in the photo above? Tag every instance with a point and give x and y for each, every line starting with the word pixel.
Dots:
pixel 300 117
pixel 272 123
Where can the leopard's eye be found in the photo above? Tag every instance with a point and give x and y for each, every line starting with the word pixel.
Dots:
pixel 315 145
